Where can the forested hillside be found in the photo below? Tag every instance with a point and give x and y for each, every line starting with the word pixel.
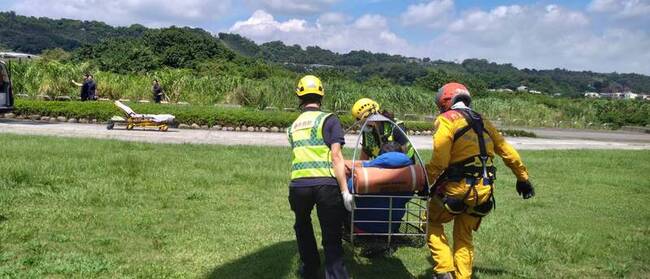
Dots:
pixel 33 35
pixel 137 49
pixel 406 71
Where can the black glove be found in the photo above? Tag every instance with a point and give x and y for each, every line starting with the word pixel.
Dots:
pixel 525 189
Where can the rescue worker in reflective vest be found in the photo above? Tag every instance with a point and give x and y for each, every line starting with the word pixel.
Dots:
pixel 318 179
pixel 377 134
pixel 464 146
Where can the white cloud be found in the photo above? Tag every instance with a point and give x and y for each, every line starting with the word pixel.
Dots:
pixel 332 18
pixel 126 12
pixel 482 21
pixel 603 5
pixel 433 14
pixel 291 6
pixel 262 24
pixel 368 32
pixel 542 37
pixel 621 8
pixel 371 22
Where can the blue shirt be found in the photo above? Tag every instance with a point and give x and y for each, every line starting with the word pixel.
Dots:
pixel 389 160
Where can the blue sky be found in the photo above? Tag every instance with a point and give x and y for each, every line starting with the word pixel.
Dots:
pixel 596 35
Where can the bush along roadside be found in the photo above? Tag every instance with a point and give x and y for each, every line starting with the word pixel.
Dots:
pixel 192 115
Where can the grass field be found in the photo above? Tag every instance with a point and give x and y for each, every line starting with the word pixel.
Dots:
pixel 91 208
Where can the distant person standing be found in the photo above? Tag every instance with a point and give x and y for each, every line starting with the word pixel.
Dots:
pixel 157 91
pixel 92 88
pixel 2 82
pixel 85 87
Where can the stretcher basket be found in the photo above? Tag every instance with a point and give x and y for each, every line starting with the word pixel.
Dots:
pixel 415 217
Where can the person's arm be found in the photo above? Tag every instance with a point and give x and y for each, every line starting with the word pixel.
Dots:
pixel 76 83
pixel 512 159
pixel 339 167
pixel 334 137
pixel 339 171
pixel 443 140
pixel 510 156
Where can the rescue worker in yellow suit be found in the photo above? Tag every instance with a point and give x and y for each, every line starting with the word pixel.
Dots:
pixel 377 134
pixel 464 146
pixel 318 179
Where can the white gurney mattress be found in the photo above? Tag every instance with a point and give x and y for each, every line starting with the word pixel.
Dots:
pixel 159 117
pixel 168 118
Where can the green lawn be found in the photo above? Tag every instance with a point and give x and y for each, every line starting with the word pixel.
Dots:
pixel 93 208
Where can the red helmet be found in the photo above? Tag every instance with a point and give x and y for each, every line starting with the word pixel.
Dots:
pixel 452 93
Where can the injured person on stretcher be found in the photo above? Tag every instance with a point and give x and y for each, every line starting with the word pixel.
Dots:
pixel 384 187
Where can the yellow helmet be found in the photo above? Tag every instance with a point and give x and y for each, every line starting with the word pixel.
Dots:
pixel 309 85
pixel 364 107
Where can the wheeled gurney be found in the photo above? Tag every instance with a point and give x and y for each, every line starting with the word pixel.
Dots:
pixel 132 119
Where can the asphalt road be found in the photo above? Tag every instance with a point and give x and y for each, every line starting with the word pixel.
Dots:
pixel 549 138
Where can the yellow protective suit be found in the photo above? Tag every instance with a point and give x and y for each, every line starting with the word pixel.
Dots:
pixel 446 151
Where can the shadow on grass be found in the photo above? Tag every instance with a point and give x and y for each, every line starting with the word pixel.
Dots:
pixel 477 271
pixel 272 261
pixel 279 261
pixel 376 267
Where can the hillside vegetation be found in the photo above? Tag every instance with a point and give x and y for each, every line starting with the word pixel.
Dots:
pixel 407 71
pixel 265 87
pixel 196 67
pixel 34 35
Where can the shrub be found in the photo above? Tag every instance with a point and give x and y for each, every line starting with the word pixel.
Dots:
pixel 202 115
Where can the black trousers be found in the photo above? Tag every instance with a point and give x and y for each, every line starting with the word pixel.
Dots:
pixel 330 210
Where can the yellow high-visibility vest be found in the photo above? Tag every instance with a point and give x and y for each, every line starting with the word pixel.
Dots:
pixel 311 156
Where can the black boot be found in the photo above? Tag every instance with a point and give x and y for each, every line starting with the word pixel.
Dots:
pixel 307 274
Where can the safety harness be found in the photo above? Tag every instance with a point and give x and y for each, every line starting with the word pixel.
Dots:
pixel 472 170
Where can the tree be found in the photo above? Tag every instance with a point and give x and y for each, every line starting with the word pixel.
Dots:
pixel 55 54
pixel 185 47
pixel 121 56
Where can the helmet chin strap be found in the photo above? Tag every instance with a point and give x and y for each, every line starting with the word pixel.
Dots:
pixel 459 105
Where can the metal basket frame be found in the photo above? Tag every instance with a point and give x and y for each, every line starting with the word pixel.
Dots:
pixel 417 207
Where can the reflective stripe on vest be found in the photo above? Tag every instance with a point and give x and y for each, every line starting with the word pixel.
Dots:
pixel 311 156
